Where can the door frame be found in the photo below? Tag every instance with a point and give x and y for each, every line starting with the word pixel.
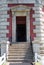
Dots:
pixel 27 25
pixel 20 12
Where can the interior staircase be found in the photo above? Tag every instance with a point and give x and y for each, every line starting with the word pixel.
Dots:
pixel 20 52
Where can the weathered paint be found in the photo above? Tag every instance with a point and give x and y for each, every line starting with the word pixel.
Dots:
pixel 9 35
pixel 31 25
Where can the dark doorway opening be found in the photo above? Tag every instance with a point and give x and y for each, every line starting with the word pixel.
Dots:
pixel 20 29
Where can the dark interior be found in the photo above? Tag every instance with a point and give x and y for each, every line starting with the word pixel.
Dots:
pixel 21 29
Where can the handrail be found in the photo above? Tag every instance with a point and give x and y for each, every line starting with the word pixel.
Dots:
pixel 38 58
pixel 3 59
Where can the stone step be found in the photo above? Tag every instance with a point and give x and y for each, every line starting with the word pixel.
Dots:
pixel 19 48
pixel 20 51
pixel 19 54
pixel 20 60
pixel 20 45
pixel 20 57
pixel 23 45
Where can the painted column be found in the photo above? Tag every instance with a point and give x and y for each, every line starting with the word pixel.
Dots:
pixel 28 26
pixel 13 27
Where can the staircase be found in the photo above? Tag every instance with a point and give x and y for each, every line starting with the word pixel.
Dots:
pixel 20 52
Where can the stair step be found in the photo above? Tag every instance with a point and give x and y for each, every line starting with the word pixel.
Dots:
pixel 19 57
pixel 19 48
pixel 19 51
pixel 20 45
pixel 18 60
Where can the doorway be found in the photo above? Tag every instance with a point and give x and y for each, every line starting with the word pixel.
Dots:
pixel 21 28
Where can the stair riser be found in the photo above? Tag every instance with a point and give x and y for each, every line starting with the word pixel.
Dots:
pixel 19 54
pixel 19 51
pixel 30 60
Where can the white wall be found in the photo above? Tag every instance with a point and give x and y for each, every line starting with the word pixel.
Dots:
pixel 3 49
pixel 21 1
pixel 36 48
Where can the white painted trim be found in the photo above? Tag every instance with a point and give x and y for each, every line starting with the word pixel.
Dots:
pixel 38 23
pixel 39 35
pixel 4 5
pixel 39 38
pixel 4 31
pixel 20 1
pixel 40 27
pixel 37 30
pixel 3 39
pixel 38 5
pixel 3 12
pixel 14 25
pixel 4 8
pixel 37 16
pixel 36 48
pixel 37 8
pixel 39 19
pixel 3 19
pixel 28 26
pixel 4 23
pixel 39 12
pixel 2 35
pixel 14 28
pixel 3 27
pixel 4 16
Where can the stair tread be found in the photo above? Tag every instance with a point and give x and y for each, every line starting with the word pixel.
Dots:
pixel 18 59
pixel 19 56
